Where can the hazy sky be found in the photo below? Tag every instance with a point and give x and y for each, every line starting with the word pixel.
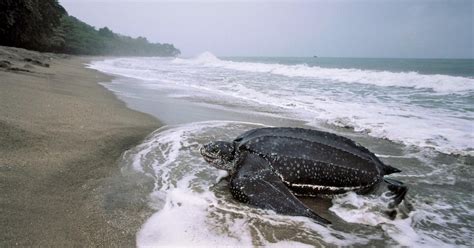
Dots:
pixel 416 28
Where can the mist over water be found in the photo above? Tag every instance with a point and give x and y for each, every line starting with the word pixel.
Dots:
pixel 420 121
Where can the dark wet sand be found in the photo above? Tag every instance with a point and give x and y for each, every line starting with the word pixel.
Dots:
pixel 61 134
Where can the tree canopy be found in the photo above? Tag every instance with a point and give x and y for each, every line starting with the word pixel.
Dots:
pixel 44 25
pixel 29 23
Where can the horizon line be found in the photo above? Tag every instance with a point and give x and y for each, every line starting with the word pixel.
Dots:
pixel 324 57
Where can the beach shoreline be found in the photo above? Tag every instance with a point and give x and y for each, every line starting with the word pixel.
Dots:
pixel 61 136
pixel 203 100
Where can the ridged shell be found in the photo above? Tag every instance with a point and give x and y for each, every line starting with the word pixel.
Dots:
pixel 305 158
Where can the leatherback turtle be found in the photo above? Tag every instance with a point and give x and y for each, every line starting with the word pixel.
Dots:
pixel 269 166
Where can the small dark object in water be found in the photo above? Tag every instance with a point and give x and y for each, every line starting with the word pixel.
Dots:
pixel 269 166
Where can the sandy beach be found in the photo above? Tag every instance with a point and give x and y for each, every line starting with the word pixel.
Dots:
pixel 61 134
pixel 66 180
pixel 236 124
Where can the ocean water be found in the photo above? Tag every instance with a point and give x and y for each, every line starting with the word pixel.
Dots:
pixel 417 115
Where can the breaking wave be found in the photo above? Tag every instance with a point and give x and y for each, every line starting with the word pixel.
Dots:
pixel 438 83
pixel 414 117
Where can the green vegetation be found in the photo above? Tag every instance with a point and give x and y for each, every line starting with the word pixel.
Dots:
pixel 29 23
pixel 81 38
pixel 44 25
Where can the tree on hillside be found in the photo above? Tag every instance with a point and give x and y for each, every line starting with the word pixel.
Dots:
pixel 30 24
pixel 44 25
pixel 106 32
pixel 82 38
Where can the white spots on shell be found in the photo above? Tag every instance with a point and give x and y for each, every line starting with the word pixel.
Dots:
pixel 326 188
pixel 342 166
pixel 315 177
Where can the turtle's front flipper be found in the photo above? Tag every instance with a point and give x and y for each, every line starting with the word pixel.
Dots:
pixel 397 191
pixel 256 184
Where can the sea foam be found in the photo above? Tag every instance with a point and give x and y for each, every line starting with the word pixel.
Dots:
pixel 190 213
pixel 438 83
pixel 417 229
pixel 192 209
pixel 428 111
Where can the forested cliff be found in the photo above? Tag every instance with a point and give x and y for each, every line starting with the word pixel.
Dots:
pixel 44 25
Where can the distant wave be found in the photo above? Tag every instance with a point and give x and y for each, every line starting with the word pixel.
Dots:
pixel 440 126
pixel 438 83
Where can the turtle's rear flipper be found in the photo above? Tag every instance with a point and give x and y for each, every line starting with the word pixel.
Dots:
pixel 397 191
pixel 256 184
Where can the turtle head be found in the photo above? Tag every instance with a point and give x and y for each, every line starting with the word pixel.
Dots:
pixel 219 154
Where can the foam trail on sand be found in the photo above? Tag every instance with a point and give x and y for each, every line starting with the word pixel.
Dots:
pixel 191 209
pixel 190 213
